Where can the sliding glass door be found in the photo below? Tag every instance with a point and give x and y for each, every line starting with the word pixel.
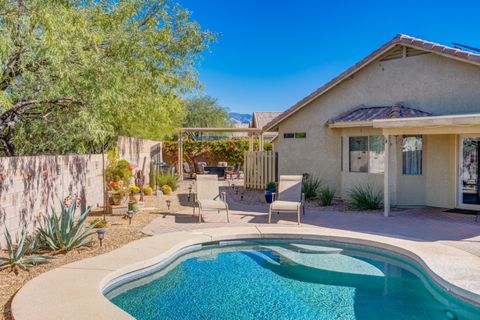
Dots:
pixel 469 196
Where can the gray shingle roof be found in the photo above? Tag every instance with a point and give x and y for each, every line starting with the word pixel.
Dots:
pixel 260 119
pixel 364 113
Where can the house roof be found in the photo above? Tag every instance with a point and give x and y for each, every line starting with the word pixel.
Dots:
pixel 400 39
pixel 363 114
pixel 260 119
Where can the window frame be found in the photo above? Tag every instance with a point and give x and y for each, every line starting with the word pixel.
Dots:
pixel 422 139
pixel 368 153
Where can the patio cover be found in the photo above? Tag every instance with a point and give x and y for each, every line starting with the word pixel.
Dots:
pixel 446 124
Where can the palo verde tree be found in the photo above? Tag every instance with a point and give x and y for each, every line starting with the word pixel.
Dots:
pixel 205 112
pixel 76 73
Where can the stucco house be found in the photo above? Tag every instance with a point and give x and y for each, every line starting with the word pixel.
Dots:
pixel 406 118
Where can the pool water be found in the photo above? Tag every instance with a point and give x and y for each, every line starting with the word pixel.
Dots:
pixel 288 280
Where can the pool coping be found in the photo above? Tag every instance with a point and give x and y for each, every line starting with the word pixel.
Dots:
pixel 74 291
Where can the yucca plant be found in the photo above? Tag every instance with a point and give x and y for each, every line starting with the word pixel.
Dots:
pixel 326 195
pixel 17 254
pixel 61 233
pixel 310 187
pixel 366 197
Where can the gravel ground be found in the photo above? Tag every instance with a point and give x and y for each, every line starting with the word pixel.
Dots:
pixel 118 232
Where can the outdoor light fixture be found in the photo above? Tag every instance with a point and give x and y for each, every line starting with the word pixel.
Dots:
pixel 169 202
pixel 101 235
pixel 130 214
pixel 242 195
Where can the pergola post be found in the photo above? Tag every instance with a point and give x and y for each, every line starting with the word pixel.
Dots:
pixel 250 142
pixel 260 142
pixel 386 177
pixel 180 154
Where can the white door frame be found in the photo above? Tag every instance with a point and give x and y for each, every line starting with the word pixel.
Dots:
pixel 459 166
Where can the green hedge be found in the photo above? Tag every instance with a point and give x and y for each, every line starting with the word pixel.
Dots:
pixel 211 152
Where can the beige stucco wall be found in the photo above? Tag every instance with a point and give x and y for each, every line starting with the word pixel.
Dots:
pixel 440 170
pixel 429 82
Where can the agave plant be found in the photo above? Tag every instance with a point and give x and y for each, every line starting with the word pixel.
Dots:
pixel 17 254
pixel 311 187
pixel 326 195
pixel 366 198
pixel 61 233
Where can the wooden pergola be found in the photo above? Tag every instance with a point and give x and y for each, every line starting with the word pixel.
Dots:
pixel 250 131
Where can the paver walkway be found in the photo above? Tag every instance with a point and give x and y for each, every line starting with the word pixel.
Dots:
pixel 428 224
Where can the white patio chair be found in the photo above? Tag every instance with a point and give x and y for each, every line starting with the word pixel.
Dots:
pixel 208 195
pixel 289 197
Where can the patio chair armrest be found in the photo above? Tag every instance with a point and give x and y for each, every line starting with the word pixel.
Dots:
pixel 223 196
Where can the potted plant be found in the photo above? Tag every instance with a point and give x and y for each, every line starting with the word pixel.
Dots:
pixel 269 190
pixel 134 193
pixel 117 196
pixel 116 192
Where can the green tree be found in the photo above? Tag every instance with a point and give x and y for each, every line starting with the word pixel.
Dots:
pixel 77 73
pixel 205 112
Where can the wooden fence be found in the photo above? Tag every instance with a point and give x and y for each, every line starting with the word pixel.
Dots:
pixel 260 168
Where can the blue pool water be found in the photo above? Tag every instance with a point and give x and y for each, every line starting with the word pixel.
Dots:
pixel 288 280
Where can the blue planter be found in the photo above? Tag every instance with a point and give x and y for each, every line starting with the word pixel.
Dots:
pixel 269 195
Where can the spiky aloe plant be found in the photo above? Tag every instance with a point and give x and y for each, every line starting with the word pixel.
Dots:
pixel 61 233
pixel 17 258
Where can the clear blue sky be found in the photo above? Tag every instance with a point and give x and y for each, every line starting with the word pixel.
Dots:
pixel 270 54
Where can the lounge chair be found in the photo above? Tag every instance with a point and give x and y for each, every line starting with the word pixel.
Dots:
pixel 289 197
pixel 208 196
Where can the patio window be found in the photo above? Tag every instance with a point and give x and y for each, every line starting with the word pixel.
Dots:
pixel 366 154
pixel 412 154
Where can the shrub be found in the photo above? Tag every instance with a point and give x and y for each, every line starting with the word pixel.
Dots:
pixel 167 179
pixel 166 189
pixel 17 257
pixel 326 195
pixel 366 198
pixel 310 187
pixel 134 189
pixel 99 223
pixel 148 191
pixel 118 170
pixel 230 150
pixel 62 233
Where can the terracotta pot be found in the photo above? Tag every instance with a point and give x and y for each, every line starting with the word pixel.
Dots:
pixel 117 198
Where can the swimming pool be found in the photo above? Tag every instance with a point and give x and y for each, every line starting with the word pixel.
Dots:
pixel 270 279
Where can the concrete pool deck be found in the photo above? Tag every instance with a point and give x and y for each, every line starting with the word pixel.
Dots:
pixel 74 291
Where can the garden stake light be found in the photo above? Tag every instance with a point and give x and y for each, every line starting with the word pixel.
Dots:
pixel 130 216
pixel 101 235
